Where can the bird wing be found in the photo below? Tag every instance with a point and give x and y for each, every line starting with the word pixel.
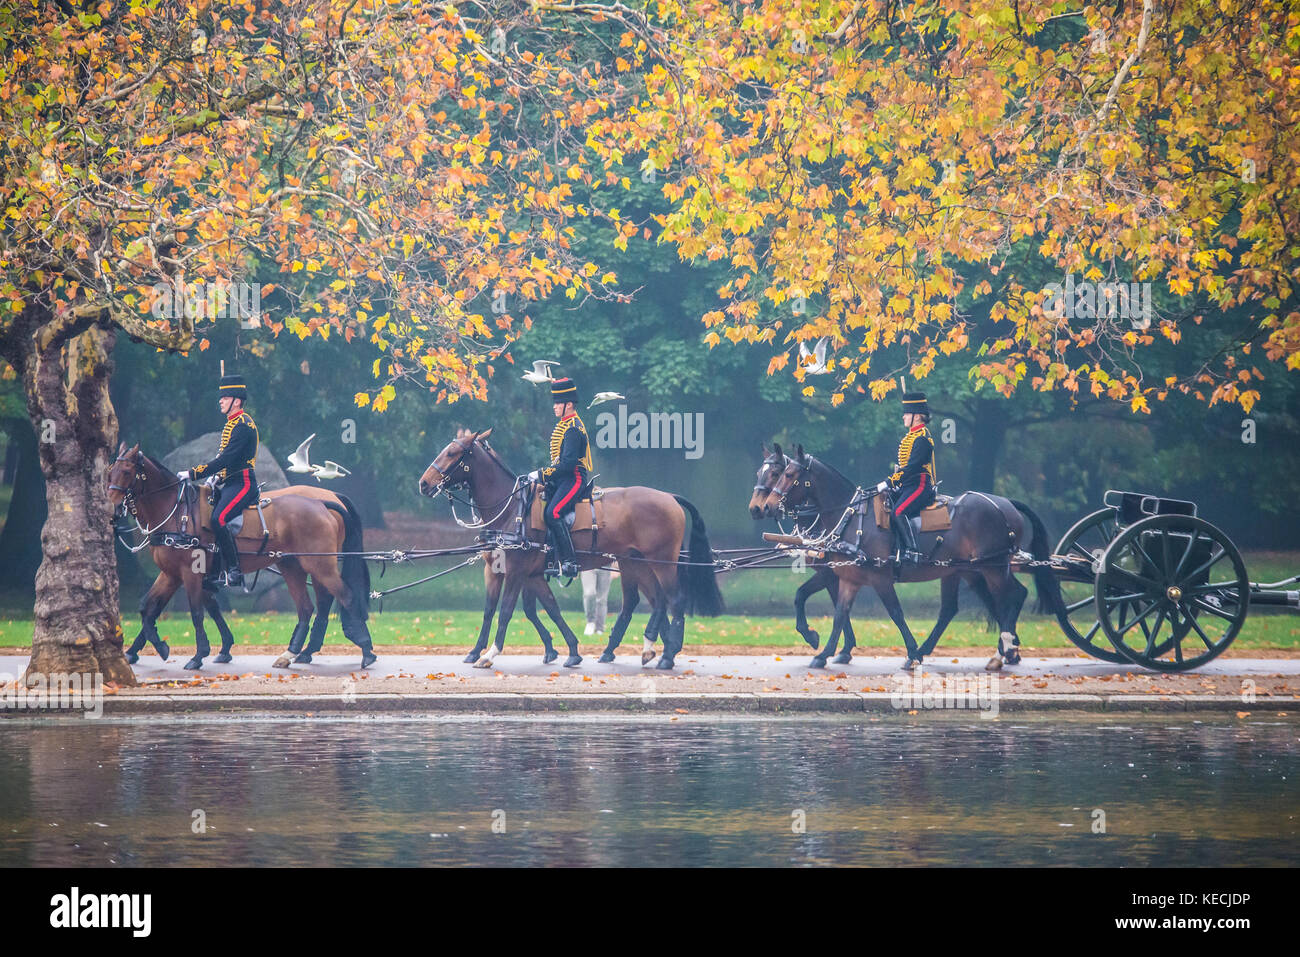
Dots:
pixel 299 457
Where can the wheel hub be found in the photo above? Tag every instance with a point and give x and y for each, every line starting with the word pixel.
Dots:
pixel 1174 593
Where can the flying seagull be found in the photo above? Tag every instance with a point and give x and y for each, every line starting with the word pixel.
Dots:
pixel 600 397
pixel 818 355
pixel 330 470
pixel 298 461
pixel 541 372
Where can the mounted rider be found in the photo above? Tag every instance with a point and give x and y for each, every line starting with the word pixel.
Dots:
pixel 568 472
pixel 911 486
pixel 233 470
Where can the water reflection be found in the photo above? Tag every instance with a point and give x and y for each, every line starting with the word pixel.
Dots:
pixel 574 792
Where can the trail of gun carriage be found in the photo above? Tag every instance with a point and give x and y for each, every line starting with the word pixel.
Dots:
pixel 912 366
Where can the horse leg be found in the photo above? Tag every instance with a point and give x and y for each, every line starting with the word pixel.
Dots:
pixel 227 637
pixel 890 599
pixel 324 571
pixel 194 592
pixel 324 602
pixel 947 608
pixel 493 581
pixel 1009 597
pixel 844 604
pixel 530 610
pixel 547 598
pixel 805 591
pixel 631 597
pixel 295 579
pixel 673 606
pixel 151 606
pixel 658 624
pixel 510 594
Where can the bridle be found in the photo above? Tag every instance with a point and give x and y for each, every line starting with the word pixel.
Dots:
pixel 445 486
pixel 801 512
pixel 130 497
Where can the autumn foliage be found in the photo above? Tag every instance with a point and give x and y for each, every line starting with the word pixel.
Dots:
pixel 903 170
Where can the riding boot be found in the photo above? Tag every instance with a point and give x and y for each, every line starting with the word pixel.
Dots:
pixel 908 551
pixel 229 556
pixel 564 549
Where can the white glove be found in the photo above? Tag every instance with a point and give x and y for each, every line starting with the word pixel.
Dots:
pixel 183 476
pixel 882 487
pixel 534 475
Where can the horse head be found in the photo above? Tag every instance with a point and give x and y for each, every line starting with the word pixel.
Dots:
pixel 124 478
pixel 769 470
pixel 793 486
pixel 454 466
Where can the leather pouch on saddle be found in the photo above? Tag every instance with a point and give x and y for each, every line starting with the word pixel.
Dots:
pixel 933 518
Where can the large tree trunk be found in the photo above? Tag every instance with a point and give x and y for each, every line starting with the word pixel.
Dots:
pixel 78 622
pixel 20 542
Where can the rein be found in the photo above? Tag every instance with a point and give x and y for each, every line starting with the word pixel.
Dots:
pixel 130 499
pixel 443 488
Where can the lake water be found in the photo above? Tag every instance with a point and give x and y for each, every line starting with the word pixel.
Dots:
pixel 606 791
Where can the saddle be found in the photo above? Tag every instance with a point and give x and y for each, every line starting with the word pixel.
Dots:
pixel 588 514
pixel 935 517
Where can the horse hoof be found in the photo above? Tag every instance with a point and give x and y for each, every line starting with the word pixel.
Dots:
pixel 606 658
pixel 665 664
pixel 843 658
pixel 163 650
pixel 813 639
pixel 368 658
pixel 194 664
pixel 817 662
pixel 549 657
pixel 281 662
pixel 483 663
pixel 1012 656
pixel 302 659
pixel 470 658
pixel 995 664
pixel 573 661
pixel 910 664
pixel 132 657
pixel 223 658
pixel 647 657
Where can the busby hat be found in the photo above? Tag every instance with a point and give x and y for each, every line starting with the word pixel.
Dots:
pixel 564 390
pixel 233 386
pixel 915 402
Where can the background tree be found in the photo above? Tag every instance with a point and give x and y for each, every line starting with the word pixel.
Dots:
pixel 396 172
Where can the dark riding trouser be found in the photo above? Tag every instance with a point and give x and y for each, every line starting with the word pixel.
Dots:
pixel 908 501
pixel 561 499
pixel 233 496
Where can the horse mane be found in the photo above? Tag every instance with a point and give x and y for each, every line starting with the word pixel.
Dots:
pixel 492 454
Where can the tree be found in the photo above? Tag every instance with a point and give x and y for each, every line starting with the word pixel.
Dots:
pixel 401 168
pixel 859 157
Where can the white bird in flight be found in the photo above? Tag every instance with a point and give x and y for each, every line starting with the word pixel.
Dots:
pixel 818 355
pixel 541 372
pixel 298 461
pixel 600 397
pixel 330 470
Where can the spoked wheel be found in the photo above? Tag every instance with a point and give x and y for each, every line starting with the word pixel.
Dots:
pixel 1088 540
pixel 1172 592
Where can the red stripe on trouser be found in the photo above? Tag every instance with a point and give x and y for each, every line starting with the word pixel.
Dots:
pixel 911 498
pixel 577 484
pixel 221 519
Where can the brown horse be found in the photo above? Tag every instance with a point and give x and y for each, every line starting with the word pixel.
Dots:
pixel 809 521
pixel 986 532
pixel 312 525
pixel 642 527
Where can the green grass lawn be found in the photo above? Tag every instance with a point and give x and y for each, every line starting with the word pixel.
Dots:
pixel 460 628
pixel 760 605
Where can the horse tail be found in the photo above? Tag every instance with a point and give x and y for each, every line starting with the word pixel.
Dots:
pixel 355 571
pixel 1048 585
pixel 697 580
